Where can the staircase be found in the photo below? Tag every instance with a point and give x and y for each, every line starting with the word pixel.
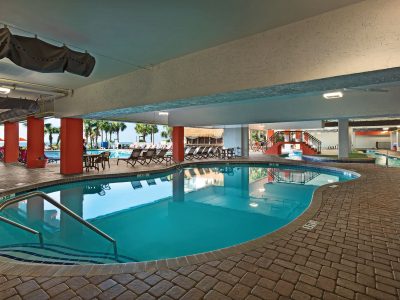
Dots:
pixel 309 144
pixel 58 255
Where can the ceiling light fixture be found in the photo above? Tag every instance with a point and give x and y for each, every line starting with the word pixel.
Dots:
pixel 252 204
pixel 385 128
pixel 333 95
pixel 163 113
pixel 4 90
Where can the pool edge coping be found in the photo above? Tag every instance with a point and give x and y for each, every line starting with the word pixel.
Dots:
pixel 31 269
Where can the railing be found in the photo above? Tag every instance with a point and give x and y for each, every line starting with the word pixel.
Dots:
pixel 23 227
pixel 305 177
pixel 58 205
pixel 294 137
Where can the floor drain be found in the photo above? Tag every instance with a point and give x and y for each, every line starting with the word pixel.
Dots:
pixel 310 225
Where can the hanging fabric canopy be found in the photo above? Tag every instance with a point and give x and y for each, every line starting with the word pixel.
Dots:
pixel 37 55
pixel 17 108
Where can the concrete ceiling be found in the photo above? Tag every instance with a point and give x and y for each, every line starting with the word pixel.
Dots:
pixel 126 34
pixel 379 101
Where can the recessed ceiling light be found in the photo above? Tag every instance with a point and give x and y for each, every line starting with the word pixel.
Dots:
pixel 4 90
pixel 253 204
pixel 333 95
pixel 163 113
pixel 261 190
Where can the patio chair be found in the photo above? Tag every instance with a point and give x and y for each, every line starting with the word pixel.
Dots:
pixel 133 158
pixel 211 152
pixel 190 154
pixel 147 157
pixel 162 156
pixel 198 153
pixel 204 154
pixel 105 158
pixel 230 153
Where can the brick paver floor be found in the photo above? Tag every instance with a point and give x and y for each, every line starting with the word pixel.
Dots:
pixel 353 253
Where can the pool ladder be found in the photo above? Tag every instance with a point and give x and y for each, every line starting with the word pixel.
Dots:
pixel 58 205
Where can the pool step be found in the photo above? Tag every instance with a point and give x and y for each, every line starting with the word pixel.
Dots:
pixel 56 254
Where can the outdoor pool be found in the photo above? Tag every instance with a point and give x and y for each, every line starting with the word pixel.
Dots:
pixel 165 215
pixel 115 153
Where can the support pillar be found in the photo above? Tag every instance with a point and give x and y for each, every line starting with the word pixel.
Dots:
pixel 178 148
pixel 237 137
pixel 35 151
pixel 71 146
pixel 11 142
pixel 344 138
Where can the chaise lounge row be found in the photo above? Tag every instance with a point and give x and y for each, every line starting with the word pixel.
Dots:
pixel 147 156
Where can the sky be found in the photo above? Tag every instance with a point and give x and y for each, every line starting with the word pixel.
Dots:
pixel 128 135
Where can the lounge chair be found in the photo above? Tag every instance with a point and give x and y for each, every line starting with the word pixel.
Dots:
pixel 162 156
pixel 204 154
pixel 147 157
pixel 211 152
pixel 199 152
pixel 133 158
pixel 190 154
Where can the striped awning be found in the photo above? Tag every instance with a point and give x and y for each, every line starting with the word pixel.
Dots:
pixel 192 132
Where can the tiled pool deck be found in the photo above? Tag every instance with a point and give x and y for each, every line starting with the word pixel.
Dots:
pixel 352 253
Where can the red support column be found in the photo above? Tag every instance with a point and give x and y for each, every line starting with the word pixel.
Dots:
pixel 298 135
pixel 35 151
pixel 178 149
pixel 71 146
pixel 11 142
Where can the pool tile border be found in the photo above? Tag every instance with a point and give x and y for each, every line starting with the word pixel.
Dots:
pixel 31 269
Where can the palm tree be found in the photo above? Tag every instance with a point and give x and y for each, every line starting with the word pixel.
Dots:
pixel 167 133
pixel 89 126
pixel 50 130
pixel 106 126
pixel 153 131
pixel 120 126
pixel 142 130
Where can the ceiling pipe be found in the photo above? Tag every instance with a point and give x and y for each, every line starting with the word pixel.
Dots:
pixel 34 88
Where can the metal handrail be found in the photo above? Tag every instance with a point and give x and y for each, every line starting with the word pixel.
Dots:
pixel 61 207
pixel 23 227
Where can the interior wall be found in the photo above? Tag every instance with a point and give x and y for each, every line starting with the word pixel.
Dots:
pixel 365 141
pixel 327 138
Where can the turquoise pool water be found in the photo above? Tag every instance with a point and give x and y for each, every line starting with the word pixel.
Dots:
pixel 167 215
pixel 115 153
pixel 381 159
